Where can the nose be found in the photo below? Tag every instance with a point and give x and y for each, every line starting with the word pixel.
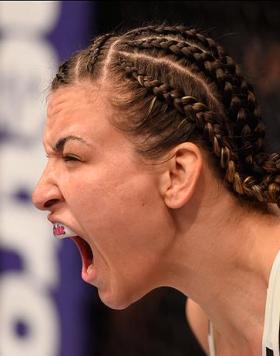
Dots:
pixel 47 193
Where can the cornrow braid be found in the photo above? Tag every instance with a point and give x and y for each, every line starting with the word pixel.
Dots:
pixel 211 129
pixel 95 49
pixel 62 76
pixel 238 110
pixel 189 34
pixel 82 62
pixel 184 33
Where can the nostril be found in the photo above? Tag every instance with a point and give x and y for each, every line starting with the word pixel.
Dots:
pixel 50 202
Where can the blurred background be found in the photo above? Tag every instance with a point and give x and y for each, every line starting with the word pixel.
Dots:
pixel 45 307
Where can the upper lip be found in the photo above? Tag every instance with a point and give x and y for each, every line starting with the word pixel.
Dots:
pixel 54 220
pixel 51 219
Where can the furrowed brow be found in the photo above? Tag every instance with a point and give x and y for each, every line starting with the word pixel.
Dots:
pixel 58 147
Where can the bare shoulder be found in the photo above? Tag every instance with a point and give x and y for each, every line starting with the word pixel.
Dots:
pixel 198 322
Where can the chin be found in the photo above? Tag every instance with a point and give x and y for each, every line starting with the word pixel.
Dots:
pixel 118 300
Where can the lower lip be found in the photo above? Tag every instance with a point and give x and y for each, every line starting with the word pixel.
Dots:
pixel 89 277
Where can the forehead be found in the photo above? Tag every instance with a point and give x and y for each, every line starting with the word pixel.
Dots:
pixel 73 98
pixel 82 110
pixel 80 107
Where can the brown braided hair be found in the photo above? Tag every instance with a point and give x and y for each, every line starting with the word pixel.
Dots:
pixel 175 84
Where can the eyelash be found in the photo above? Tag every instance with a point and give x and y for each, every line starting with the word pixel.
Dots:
pixel 68 158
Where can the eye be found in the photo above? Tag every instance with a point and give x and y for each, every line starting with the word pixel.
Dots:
pixel 68 158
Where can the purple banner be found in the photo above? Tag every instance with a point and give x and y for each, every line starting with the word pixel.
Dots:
pixel 43 301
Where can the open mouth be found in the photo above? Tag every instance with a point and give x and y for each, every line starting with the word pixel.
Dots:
pixel 61 231
pixel 85 251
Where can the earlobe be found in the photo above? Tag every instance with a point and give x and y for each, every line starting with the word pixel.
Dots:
pixel 181 176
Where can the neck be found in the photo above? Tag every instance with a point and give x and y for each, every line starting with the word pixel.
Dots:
pixel 225 268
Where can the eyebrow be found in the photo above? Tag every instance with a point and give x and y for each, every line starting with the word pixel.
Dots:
pixel 58 147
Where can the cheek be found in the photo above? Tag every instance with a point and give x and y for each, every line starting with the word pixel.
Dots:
pixel 124 218
pixel 120 213
pixel 112 196
pixel 128 233
pixel 123 210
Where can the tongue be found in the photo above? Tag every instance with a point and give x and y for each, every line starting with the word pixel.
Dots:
pixel 61 231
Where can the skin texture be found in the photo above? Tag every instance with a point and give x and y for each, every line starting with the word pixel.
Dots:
pixel 153 224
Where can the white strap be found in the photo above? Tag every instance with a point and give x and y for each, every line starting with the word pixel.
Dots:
pixel 211 341
pixel 272 310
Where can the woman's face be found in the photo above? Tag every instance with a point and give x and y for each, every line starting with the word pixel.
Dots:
pixel 96 184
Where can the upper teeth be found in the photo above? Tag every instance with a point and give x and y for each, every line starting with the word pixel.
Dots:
pixel 61 231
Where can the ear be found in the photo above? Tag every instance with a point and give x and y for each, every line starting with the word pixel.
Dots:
pixel 179 179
